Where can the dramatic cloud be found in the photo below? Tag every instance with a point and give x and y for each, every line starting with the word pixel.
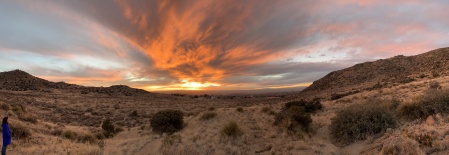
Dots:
pixel 205 44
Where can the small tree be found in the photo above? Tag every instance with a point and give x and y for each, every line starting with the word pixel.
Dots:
pixel 109 129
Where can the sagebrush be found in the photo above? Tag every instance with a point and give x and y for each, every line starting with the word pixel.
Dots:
pixel 231 129
pixel 167 121
pixel 296 115
pixel 309 106
pixel 357 122
pixel 208 115
pixel 295 118
pixel 433 101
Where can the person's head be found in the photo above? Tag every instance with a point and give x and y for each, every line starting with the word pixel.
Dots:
pixel 5 120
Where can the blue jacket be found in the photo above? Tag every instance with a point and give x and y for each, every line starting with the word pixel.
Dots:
pixel 6 134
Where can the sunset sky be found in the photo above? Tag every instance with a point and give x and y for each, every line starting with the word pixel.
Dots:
pixel 161 45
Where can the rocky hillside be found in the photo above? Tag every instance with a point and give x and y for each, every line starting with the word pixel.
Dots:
pixel 18 80
pixel 381 73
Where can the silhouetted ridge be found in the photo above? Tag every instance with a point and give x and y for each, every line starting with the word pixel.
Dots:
pixel 381 73
pixel 18 80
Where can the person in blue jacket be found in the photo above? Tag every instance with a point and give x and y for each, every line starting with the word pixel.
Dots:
pixel 6 135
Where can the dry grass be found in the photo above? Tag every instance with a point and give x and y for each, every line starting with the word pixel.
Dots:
pixel 179 150
pixel 79 137
pixel 208 115
pixel 20 131
pixel 401 145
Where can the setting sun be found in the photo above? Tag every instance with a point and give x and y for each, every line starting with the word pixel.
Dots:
pixel 197 85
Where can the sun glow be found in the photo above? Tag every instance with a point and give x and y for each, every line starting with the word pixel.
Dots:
pixel 197 85
pixel 184 85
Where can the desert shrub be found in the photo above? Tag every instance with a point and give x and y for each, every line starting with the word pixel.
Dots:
pixel 309 106
pixel 386 103
pixel 265 109
pixel 401 145
pixel 56 132
pixel 116 106
pixel 406 80
pixel 422 76
pixel 295 115
pixel 88 138
pixel 68 134
pixel 19 131
pixel 171 139
pixel 142 127
pixel 109 129
pixel 435 74
pixel 239 109
pixel 99 135
pixel 19 109
pixel 208 115
pixel 134 114
pixel 376 86
pixel 167 121
pixel 357 122
pixel 394 103
pixel 413 110
pixel 191 114
pixel 425 139
pixel 268 110
pixel 299 118
pixel 433 101
pixel 341 95
pixel 231 129
pixel 295 118
pixel 5 106
pixel 119 129
pixel 28 118
pixel 79 137
pixel 434 85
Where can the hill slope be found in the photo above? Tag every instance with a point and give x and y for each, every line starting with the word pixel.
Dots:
pixel 381 73
pixel 18 80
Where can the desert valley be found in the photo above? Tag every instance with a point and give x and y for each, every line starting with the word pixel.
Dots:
pixel 405 100
pixel 224 77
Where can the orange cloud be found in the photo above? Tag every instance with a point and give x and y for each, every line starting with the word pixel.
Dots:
pixel 188 40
